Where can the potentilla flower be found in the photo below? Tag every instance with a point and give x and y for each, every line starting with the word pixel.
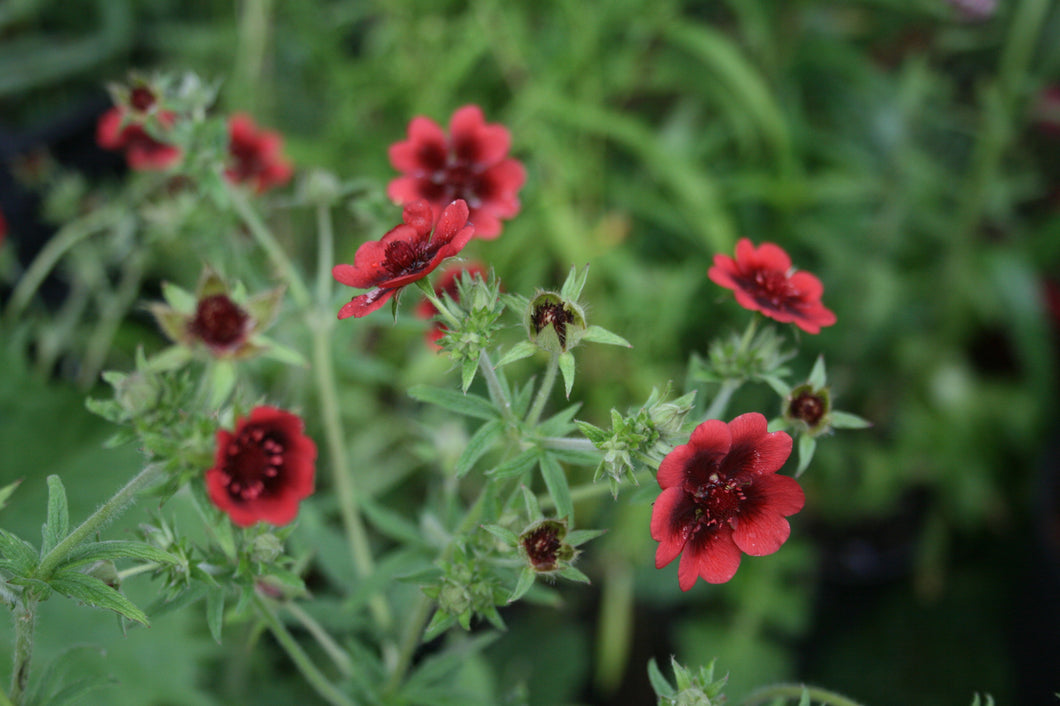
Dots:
pixel 470 163
pixel 263 468
pixel 544 546
pixel 721 497
pixel 763 280
pixel 142 151
pixel 257 158
pixel 447 284
pixel 407 253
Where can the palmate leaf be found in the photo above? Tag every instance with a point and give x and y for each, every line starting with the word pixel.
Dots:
pixel 113 550
pixel 92 591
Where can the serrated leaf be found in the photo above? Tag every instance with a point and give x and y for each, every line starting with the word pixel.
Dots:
pixel 659 683
pixel 113 550
pixel 91 591
pixel 817 378
pixel 807 446
pixel 846 420
pixel 57 524
pixel 593 433
pixel 526 580
pixel 598 334
pixel 566 366
pixel 215 613
pixel 469 405
pixel 21 556
pixel 480 442
pixel 558 489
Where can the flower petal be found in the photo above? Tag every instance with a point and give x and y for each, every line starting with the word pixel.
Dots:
pixel 674 466
pixel 713 556
pixel 671 524
pixel 366 303
pixel 755 451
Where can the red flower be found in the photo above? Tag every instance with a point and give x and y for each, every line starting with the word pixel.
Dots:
pixel 447 284
pixel 408 252
pixel 470 164
pixel 142 151
pixel 256 155
pixel 263 469
pixel 763 280
pixel 721 496
pixel 3 228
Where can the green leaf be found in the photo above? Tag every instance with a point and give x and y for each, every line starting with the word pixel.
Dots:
pixel 215 613
pixel 598 334
pixel 576 538
pixel 113 550
pixel 221 376
pixel 6 491
pixel 658 682
pixel 523 349
pixel 592 433
pixel 807 446
pixel 391 523
pixel 846 420
pixel 533 510
pixel 572 574
pixel 439 624
pixel 817 378
pixel 180 299
pixel 468 405
pixel 515 466
pixel 281 353
pixel 467 374
pixel 526 580
pixel 779 386
pixel 574 284
pixel 566 366
pixel 480 442
pixel 804 697
pixel 57 524
pixel 556 482
pixel 21 556
pixel 502 533
pixel 92 591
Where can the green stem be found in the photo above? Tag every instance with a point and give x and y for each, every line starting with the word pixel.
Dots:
pixel 795 691
pixel 721 400
pixel 424 286
pixel 320 683
pixel 325 255
pixel 544 391
pixel 112 312
pixel 135 570
pixel 335 435
pixel 421 613
pixel 267 241
pixel 25 615
pixel 106 513
pixel 494 385
pixel 566 443
pixel 590 490
pixel 337 654
pixel 70 235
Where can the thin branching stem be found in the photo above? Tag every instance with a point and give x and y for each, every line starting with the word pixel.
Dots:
pixel 770 694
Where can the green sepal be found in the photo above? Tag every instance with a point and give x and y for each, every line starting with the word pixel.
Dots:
pixel 598 334
pixel 571 574
pixel 574 284
pixel 780 387
pixel 593 433
pixel 578 537
pixel 566 366
pixel 280 353
pixel 90 590
pixel 659 683
pixel 525 582
pixel 533 509
pixel 179 298
pixel 468 368
pixel 846 420
pixel 57 524
pixel 817 378
pixel 807 446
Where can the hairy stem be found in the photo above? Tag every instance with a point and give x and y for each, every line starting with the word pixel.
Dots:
pixel 25 616
pixel 316 679
pixel 817 695
pixel 494 385
pixel 721 400
pixel 337 654
pixel 544 391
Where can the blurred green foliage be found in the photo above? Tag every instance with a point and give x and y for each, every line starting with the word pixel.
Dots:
pixel 889 146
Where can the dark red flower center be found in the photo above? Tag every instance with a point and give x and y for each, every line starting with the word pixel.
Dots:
pixel 219 322
pixel 808 407
pixel 772 288
pixel 142 98
pixel 556 315
pixel 542 547
pixel 717 501
pixel 254 463
pixel 404 258
pixel 249 160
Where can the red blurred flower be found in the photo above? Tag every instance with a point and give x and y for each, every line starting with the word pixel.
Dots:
pixel 3 228
pixel 1046 110
pixel 142 152
pixel 263 469
pixel 471 163
pixel 256 155
pixel 408 252
pixel 721 496
pixel 447 284
pixel 763 280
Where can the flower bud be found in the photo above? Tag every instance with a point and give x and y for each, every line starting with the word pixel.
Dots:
pixel 808 409
pixel 553 323
pixel 266 548
pixel 542 544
